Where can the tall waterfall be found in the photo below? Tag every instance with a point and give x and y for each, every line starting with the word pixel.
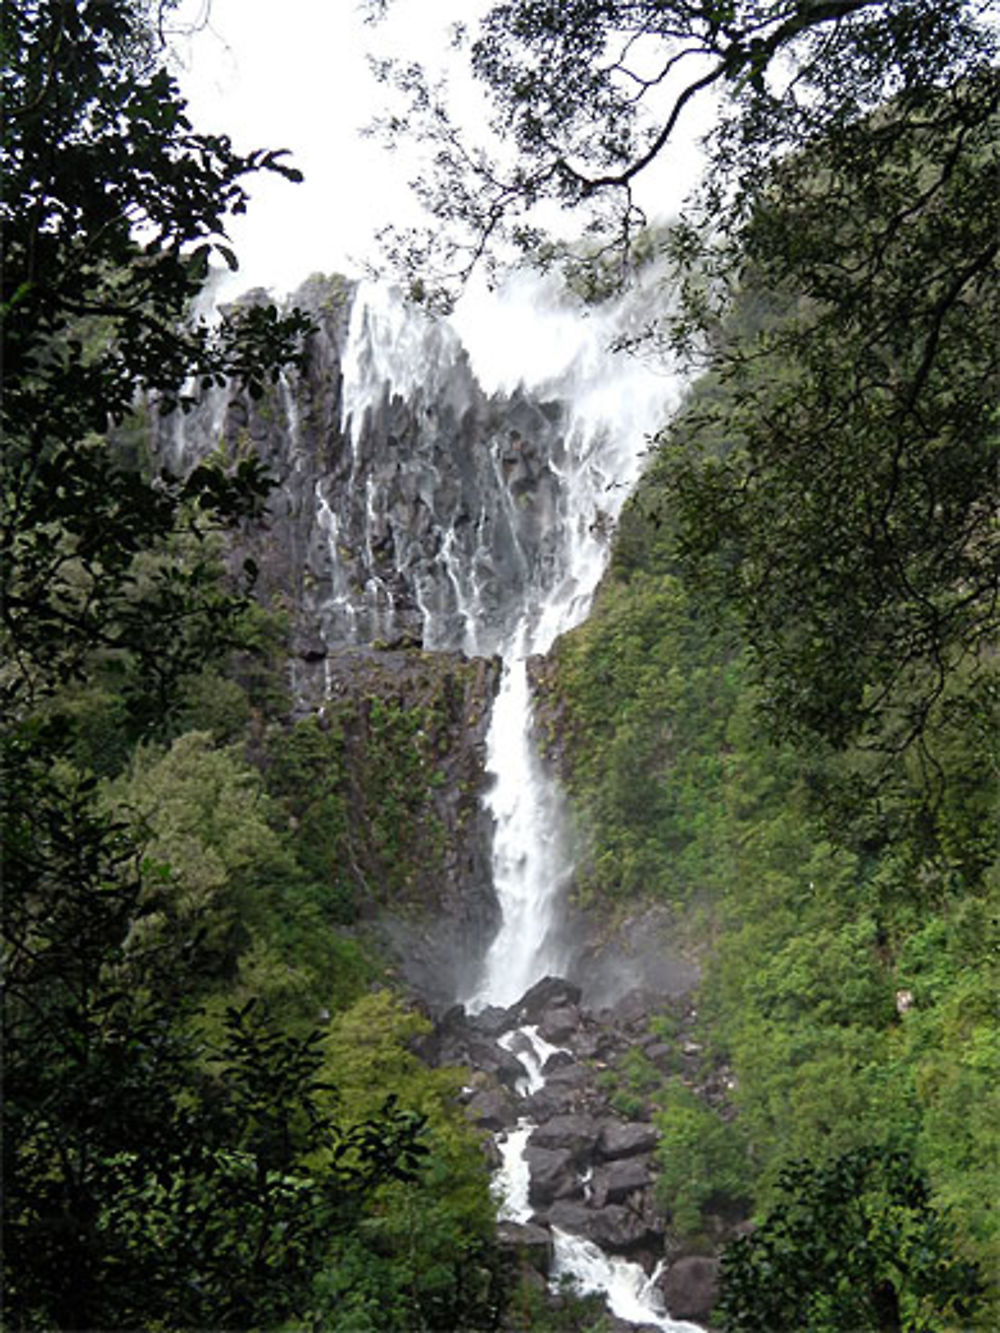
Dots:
pixel 519 564
pixel 454 486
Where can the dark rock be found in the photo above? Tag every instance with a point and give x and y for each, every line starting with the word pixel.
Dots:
pixel 618 1139
pixel 491 1021
pixel 532 1244
pixel 569 1215
pixel 616 1181
pixel 631 1011
pixel 545 1103
pixel 558 1024
pixel 492 1109
pixel 560 1060
pixel 575 1134
pixel 549 993
pixel 620 1229
pixel 690 1287
pixel 553 1175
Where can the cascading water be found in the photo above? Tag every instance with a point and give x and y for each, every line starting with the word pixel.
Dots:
pixel 464 502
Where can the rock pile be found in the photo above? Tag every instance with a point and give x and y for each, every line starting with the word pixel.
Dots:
pixel 592 1164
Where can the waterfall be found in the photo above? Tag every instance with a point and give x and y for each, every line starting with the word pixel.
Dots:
pixel 454 486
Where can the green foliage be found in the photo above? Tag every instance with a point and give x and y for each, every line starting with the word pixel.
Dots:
pixel 845 900
pixel 97 152
pixel 840 484
pixel 362 786
pixel 202 812
pixel 586 97
pixel 135 1185
pixel 423 1257
pixel 702 1159
pixel 853 1243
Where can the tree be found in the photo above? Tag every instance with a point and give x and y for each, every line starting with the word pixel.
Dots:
pixel 837 479
pixel 138 1174
pixel 836 273
pixel 112 209
pixel 853 1243
pixel 588 95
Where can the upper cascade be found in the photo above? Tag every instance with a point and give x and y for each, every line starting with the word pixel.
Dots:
pixel 413 504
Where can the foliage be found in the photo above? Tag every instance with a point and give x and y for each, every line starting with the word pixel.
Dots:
pixel 587 97
pixel 135 1184
pixel 843 899
pixel 853 1243
pixel 364 784
pixel 840 483
pixel 702 1160
pixel 423 1258
pixel 112 207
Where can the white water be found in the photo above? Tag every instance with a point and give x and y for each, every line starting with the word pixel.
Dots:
pixel 536 338
pixel 616 402
pixel 630 1294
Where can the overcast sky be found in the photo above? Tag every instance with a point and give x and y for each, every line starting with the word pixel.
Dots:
pixel 293 74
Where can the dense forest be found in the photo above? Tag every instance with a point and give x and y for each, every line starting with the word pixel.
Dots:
pixel 780 719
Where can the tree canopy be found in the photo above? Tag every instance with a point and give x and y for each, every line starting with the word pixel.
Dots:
pixel 587 95
pixel 835 272
pixel 112 209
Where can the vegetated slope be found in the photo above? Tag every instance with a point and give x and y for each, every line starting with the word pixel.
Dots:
pixel 845 901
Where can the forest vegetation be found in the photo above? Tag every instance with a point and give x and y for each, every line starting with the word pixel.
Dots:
pixel 781 717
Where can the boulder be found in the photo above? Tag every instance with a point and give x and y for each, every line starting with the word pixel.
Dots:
pixel 553 1175
pixel 558 1024
pixel 549 993
pixel 491 1108
pixel 531 1244
pixel 614 1182
pixel 690 1287
pixel 575 1134
pixel 620 1229
pixel 618 1139
pixel 570 1215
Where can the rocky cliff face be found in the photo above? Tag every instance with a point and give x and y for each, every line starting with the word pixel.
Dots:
pixel 409 507
pixel 411 512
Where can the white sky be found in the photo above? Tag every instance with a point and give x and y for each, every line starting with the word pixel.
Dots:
pixel 293 74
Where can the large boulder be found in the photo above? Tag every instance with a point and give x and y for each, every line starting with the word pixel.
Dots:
pixel 690 1287
pixel 492 1109
pixel 549 993
pixel 531 1244
pixel 616 1181
pixel 619 1139
pixel 558 1024
pixel 553 1175
pixel 622 1230
pixel 575 1134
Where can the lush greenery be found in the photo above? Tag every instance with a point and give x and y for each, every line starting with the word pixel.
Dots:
pixel 846 900
pixel 183 1145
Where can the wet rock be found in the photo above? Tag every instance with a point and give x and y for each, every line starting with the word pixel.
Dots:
pixel 616 1181
pixel 492 1109
pixel 621 1230
pixel 560 1060
pixel 575 1134
pixel 690 1287
pixel 491 1021
pixel 544 1104
pixel 570 1215
pixel 620 1139
pixel 558 1024
pixel 530 1243
pixel 549 993
pixel 553 1175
